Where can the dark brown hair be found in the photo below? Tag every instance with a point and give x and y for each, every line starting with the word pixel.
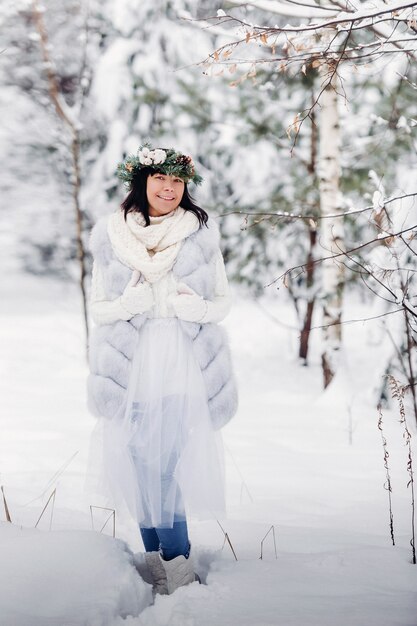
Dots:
pixel 136 199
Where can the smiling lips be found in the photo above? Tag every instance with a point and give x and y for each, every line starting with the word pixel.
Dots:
pixel 165 197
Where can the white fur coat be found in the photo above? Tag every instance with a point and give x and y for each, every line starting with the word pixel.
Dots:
pixel 111 345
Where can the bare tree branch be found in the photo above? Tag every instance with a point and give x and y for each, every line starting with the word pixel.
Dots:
pixel 361 319
pixel 343 253
pixel 279 8
pixel 292 216
pixel 355 16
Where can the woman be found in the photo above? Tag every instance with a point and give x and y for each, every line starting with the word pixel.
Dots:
pixel 160 365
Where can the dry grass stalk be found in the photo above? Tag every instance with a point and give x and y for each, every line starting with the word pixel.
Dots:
pixel 51 497
pixel 59 472
pixel 398 392
pixel 272 529
pixel 227 539
pixel 111 516
pixel 387 484
pixel 54 478
pixel 6 508
pixel 244 487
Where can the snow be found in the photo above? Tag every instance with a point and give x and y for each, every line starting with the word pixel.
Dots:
pixel 112 77
pixel 48 578
pixel 305 586
pixel 280 8
pixel 307 462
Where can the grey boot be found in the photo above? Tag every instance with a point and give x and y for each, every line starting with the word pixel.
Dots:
pixel 179 572
pixel 157 571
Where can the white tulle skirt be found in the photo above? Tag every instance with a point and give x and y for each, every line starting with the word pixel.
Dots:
pixel 160 455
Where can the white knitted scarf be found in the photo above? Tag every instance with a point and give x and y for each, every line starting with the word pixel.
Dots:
pixel 150 249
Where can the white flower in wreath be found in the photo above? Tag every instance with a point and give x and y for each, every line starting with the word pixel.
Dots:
pixel 145 156
pixel 159 156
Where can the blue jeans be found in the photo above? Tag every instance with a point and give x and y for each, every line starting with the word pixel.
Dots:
pixel 171 541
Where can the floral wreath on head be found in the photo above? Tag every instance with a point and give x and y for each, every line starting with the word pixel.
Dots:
pixel 167 161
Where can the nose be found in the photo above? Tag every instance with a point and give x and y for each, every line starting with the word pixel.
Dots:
pixel 168 185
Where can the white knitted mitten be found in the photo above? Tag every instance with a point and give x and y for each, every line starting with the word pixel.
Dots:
pixel 137 297
pixel 188 305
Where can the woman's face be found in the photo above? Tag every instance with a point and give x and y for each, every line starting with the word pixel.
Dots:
pixel 164 193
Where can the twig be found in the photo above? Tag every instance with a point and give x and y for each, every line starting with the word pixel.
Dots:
pixel 6 508
pixel 352 18
pixel 51 497
pixel 295 216
pixel 387 484
pixel 227 538
pixel 362 319
pixel 328 83
pixel 343 253
pixel 397 392
pixel 275 544
pixel 275 319
pixel 243 484
pixel 57 474
pixel 409 353
pixel 112 515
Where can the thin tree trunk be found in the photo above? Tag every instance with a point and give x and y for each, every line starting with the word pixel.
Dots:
pixel 310 267
pixel 78 213
pixel 66 115
pixel 332 235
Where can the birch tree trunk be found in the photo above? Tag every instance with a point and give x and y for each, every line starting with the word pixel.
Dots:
pixel 332 235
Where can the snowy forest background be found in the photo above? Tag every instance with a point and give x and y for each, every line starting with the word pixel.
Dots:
pixel 307 145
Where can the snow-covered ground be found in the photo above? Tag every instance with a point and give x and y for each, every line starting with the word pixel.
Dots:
pixel 307 463
pixel 67 577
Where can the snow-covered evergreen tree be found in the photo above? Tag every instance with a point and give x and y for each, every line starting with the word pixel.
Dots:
pixel 135 70
pixel 36 146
